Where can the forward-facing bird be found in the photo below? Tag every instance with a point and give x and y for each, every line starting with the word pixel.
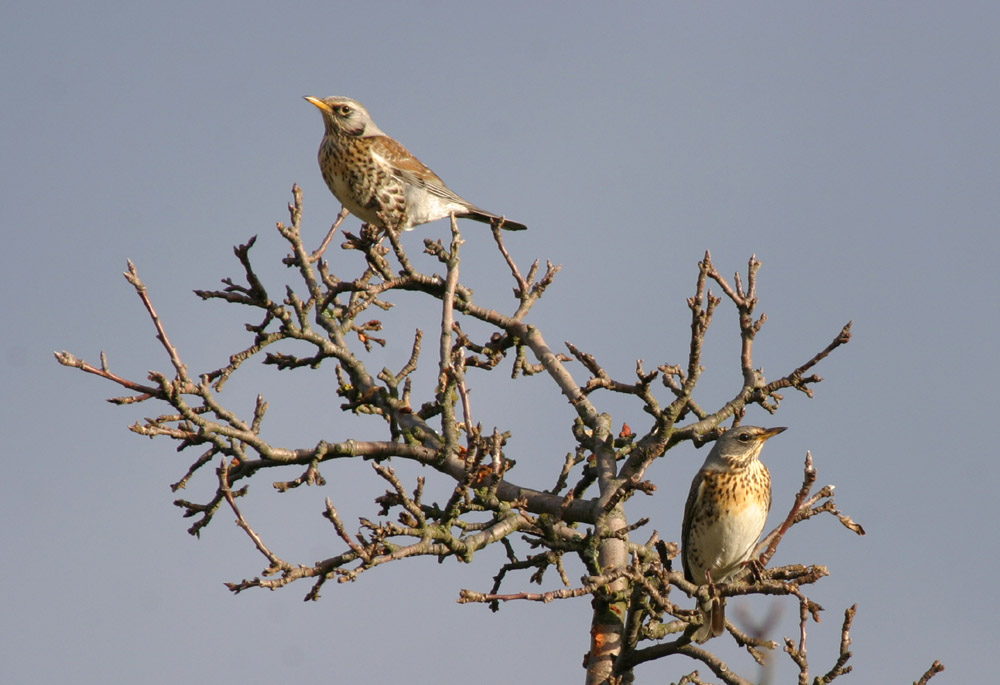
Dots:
pixel 378 180
pixel 724 516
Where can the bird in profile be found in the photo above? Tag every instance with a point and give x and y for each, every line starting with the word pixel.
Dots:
pixel 380 181
pixel 724 516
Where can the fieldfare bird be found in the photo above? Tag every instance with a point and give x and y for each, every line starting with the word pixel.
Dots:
pixel 378 180
pixel 725 513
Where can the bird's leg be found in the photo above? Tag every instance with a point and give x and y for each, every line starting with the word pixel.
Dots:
pixel 756 569
pixel 709 583
pixel 329 236
pixel 711 596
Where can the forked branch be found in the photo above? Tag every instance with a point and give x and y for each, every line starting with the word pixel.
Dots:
pixel 332 316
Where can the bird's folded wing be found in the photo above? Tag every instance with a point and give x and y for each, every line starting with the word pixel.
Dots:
pixel 409 169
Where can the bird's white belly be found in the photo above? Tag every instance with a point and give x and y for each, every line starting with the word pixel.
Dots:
pixel 423 206
pixel 729 541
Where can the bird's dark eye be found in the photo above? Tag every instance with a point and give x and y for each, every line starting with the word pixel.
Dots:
pixel 344 110
pixel 744 437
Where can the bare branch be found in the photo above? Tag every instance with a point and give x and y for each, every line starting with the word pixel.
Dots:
pixel 935 668
pixel 324 319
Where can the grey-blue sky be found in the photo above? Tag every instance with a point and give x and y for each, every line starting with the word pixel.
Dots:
pixel 852 147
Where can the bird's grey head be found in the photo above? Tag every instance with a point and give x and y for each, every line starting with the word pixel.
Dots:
pixel 739 446
pixel 346 117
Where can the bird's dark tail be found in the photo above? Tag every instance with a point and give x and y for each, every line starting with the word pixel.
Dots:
pixel 494 220
pixel 713 616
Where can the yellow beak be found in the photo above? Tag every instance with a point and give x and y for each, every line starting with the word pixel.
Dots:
pixel 319 103
pixel 771 432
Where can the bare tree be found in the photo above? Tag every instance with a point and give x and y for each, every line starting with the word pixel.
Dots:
pixel 581 515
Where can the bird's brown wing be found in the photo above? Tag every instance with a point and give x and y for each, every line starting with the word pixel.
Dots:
pixel 408 169
pixel 411 170
pixel 697 488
